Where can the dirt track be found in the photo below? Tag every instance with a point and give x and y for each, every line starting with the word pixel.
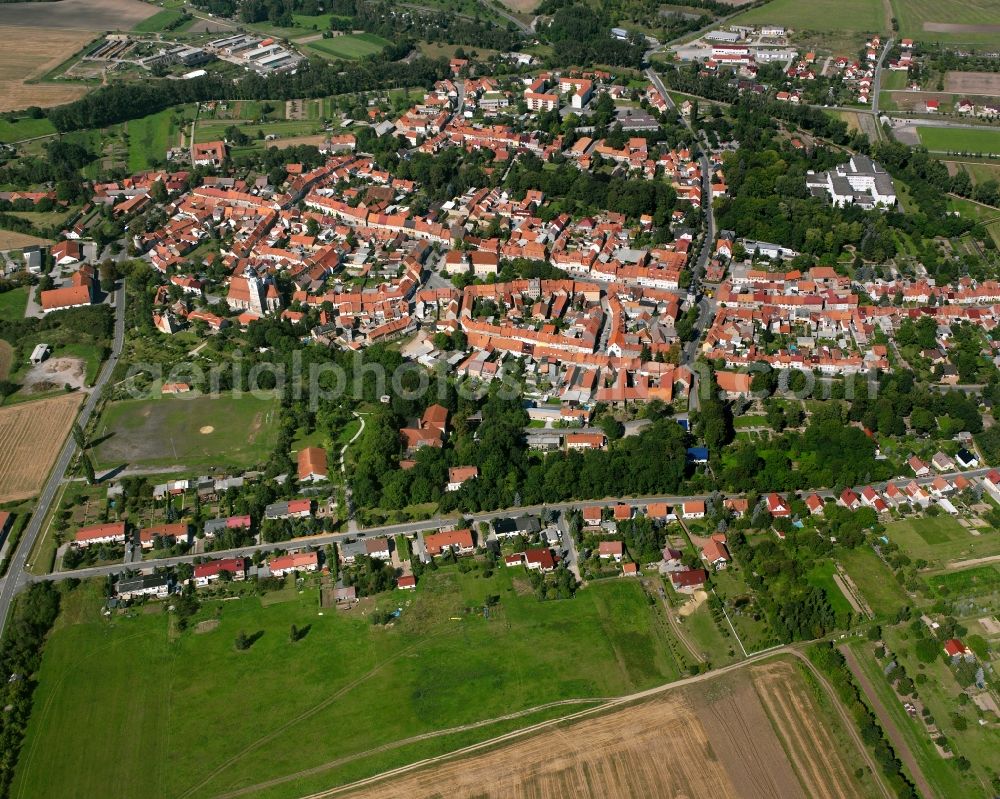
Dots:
pixel 705 736
pixel 892 732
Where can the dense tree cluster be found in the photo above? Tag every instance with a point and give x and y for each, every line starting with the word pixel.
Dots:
pixel 119 101
pixel 32 616
pixel 581 34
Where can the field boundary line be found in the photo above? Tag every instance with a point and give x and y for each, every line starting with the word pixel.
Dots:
pixel 618 702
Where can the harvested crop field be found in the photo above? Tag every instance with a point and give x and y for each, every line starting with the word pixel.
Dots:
pixel 32 434
pixel 78 15
pixel 714 739
pixel 977 83
pixel 29 53
pixel 6 358
pixel 948 27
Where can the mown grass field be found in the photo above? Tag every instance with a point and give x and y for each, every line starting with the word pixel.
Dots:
pixel 941 539
pixel 193 431
pixel 874 580
pixel 343 689
pixel 160 21
pixel 13 303
pixel 960 140
pixel 821 576
pixel 351 46
pixel 149 138
pixel 913 14
pixel 25 128
pixel 831 24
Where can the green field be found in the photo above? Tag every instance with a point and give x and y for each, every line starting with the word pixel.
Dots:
pixel 25 128
pixel 831 24
pixel 149 138
pixel 967 582
pixel 161 21
pixel 124 700
pixel 943 777
pixel 13 303
pixel 912 14
pixel 351 46
pixel 940 540
pixel 821 576
pixel 196 431
pixel 984 213
pixel 874 580
pixel 960 140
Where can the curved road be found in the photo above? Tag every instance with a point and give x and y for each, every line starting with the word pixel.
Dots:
pixel 16 577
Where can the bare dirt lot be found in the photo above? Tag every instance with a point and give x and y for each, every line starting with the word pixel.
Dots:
pixel 54 373
pixel 711 740
pixel 31 435
pixel 80 15
pixel 981 83
pixel 27 54
pixel 947 27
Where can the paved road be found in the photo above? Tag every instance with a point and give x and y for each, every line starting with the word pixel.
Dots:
pixel 413 528
pixel 16 577
pixel 877 82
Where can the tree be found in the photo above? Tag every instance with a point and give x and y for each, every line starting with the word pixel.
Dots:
pixel 243 642
pixel 88 469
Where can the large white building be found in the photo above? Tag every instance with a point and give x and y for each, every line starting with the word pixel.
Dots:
pixel 859 182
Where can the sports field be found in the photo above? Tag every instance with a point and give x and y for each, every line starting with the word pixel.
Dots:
pixel 941 539
pixel 123 700
pixel 963 140
pixel 949 21
pixel 196 431
pixel 351 46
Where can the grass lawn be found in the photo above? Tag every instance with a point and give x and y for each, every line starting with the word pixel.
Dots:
pixel 160 21
pixel 25 128
pixel 13 303
pixel 960 140
pixel 755 633
pixel 149 138
pixel 196 431
pixel 150 689
pixel 351 46
pixel 709 639
pixel 874 580
pixel 821 576
pixel 976 211
pixel 941 539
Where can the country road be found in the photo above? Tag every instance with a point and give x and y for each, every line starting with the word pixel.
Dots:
pixel 16 577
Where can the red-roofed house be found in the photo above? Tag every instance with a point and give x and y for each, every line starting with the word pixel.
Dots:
pixel 312 464
pixel 715 554
pixel 298 561
pixel 540 559
pixel 815 504
pixel 850 500
pixel 458 541
pixel 205 573
pixel 457 475
pixel 611 549
pixel 407 582
pixel 954 648
pixel 113 533
pixel 688 581
pixel 777 506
